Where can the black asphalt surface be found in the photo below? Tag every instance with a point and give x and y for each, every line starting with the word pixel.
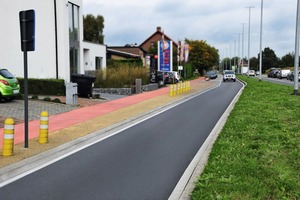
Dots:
pixel 142 162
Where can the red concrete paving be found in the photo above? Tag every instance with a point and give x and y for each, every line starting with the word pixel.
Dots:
pixel 61 121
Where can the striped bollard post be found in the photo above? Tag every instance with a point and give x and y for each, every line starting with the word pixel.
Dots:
pixel 174 89
pixel 8 139
pixel 43 137
pixel 171 90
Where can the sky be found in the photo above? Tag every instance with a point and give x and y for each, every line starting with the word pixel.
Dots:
pixel 218 22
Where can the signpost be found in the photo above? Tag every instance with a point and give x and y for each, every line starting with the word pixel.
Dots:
pixel 27 29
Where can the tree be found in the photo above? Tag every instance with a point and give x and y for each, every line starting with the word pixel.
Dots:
pixel 269 59
pixel 93 28
pixel 254 63
pixel 287 60
pixel 202 56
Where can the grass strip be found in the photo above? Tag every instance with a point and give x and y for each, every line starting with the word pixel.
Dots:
pixel 257 154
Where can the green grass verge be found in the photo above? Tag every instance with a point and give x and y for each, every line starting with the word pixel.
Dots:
pixel 257 154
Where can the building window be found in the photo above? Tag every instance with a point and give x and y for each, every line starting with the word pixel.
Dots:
pixel 98 63
pixel 74 37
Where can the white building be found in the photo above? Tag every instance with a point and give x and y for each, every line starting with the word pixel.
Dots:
pixel 59 47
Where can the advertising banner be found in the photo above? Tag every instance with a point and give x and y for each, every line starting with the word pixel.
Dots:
pixel 165 53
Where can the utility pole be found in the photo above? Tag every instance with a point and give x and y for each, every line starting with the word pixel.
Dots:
pixel 249 35
pixel 296 61
pixel 260 46
pixel 242 65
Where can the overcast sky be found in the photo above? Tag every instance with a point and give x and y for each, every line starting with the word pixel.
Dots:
pixel 218 22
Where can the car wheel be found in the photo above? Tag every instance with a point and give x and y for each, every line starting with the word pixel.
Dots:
pixel 233 80
pixel 224 80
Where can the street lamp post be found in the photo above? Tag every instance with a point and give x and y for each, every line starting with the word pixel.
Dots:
pixel 238 60
pixel 242 64
pixel 296 61
pixel 260 45
pixel 249 35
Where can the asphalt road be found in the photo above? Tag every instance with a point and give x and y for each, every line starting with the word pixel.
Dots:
pixel 144 161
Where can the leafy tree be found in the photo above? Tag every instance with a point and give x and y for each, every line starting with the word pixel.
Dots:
pixel 226 63
pixel 93 28
pixel 287 60
pixel 269 59
pixel 202 56
pixel 254 63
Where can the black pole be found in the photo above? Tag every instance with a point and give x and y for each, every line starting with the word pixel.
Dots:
pixel 24 44
pixel 56 45
pixel 26 98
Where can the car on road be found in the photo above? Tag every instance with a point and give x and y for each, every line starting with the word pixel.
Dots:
pixel 290 76
pixel 229 76
pixel 9 85
pixel 212 74
pixel 251 73
pixel 273 73
pixel 283 73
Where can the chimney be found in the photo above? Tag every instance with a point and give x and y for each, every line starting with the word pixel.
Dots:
pixel 158 28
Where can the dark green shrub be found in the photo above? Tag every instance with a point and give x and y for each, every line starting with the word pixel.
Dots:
pixel 56 100
pixel 44 86
pixel 35 97
pixel 47 99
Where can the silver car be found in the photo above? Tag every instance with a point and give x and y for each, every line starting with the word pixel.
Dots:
pixel 229 76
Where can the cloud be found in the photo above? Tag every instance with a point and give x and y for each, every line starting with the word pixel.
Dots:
pixel 218 23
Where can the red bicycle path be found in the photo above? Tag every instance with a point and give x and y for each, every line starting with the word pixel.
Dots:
pixel 64 120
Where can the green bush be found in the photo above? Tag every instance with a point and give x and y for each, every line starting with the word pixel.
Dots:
pixel 43 86
pixel 56 100
pixel 47 99
pixel 119 77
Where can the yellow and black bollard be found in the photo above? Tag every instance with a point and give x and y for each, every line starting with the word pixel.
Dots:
pixel 43 138
pixel 8 139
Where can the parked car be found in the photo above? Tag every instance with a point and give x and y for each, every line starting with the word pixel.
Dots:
pixel 257 73
pixel 251 73
pixel 176 75
pixel 273 73
pixel 228 76
pixel 172 77
pixel 212 74
pixel 9 85
pixel 283 73
pixel 291 76
pixel 161 78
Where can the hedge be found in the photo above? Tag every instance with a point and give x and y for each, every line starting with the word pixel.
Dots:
pixel 44 86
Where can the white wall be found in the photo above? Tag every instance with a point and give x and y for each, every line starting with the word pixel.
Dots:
pixel 41 62
pixel 91 51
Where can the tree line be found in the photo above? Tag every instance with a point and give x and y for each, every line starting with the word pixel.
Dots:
pixel 269 60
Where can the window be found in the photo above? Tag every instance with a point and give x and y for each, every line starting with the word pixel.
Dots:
pixel 98 63
pixel 74 37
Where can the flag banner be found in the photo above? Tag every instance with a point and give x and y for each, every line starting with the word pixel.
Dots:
pixel 186 52
pixel 165 55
